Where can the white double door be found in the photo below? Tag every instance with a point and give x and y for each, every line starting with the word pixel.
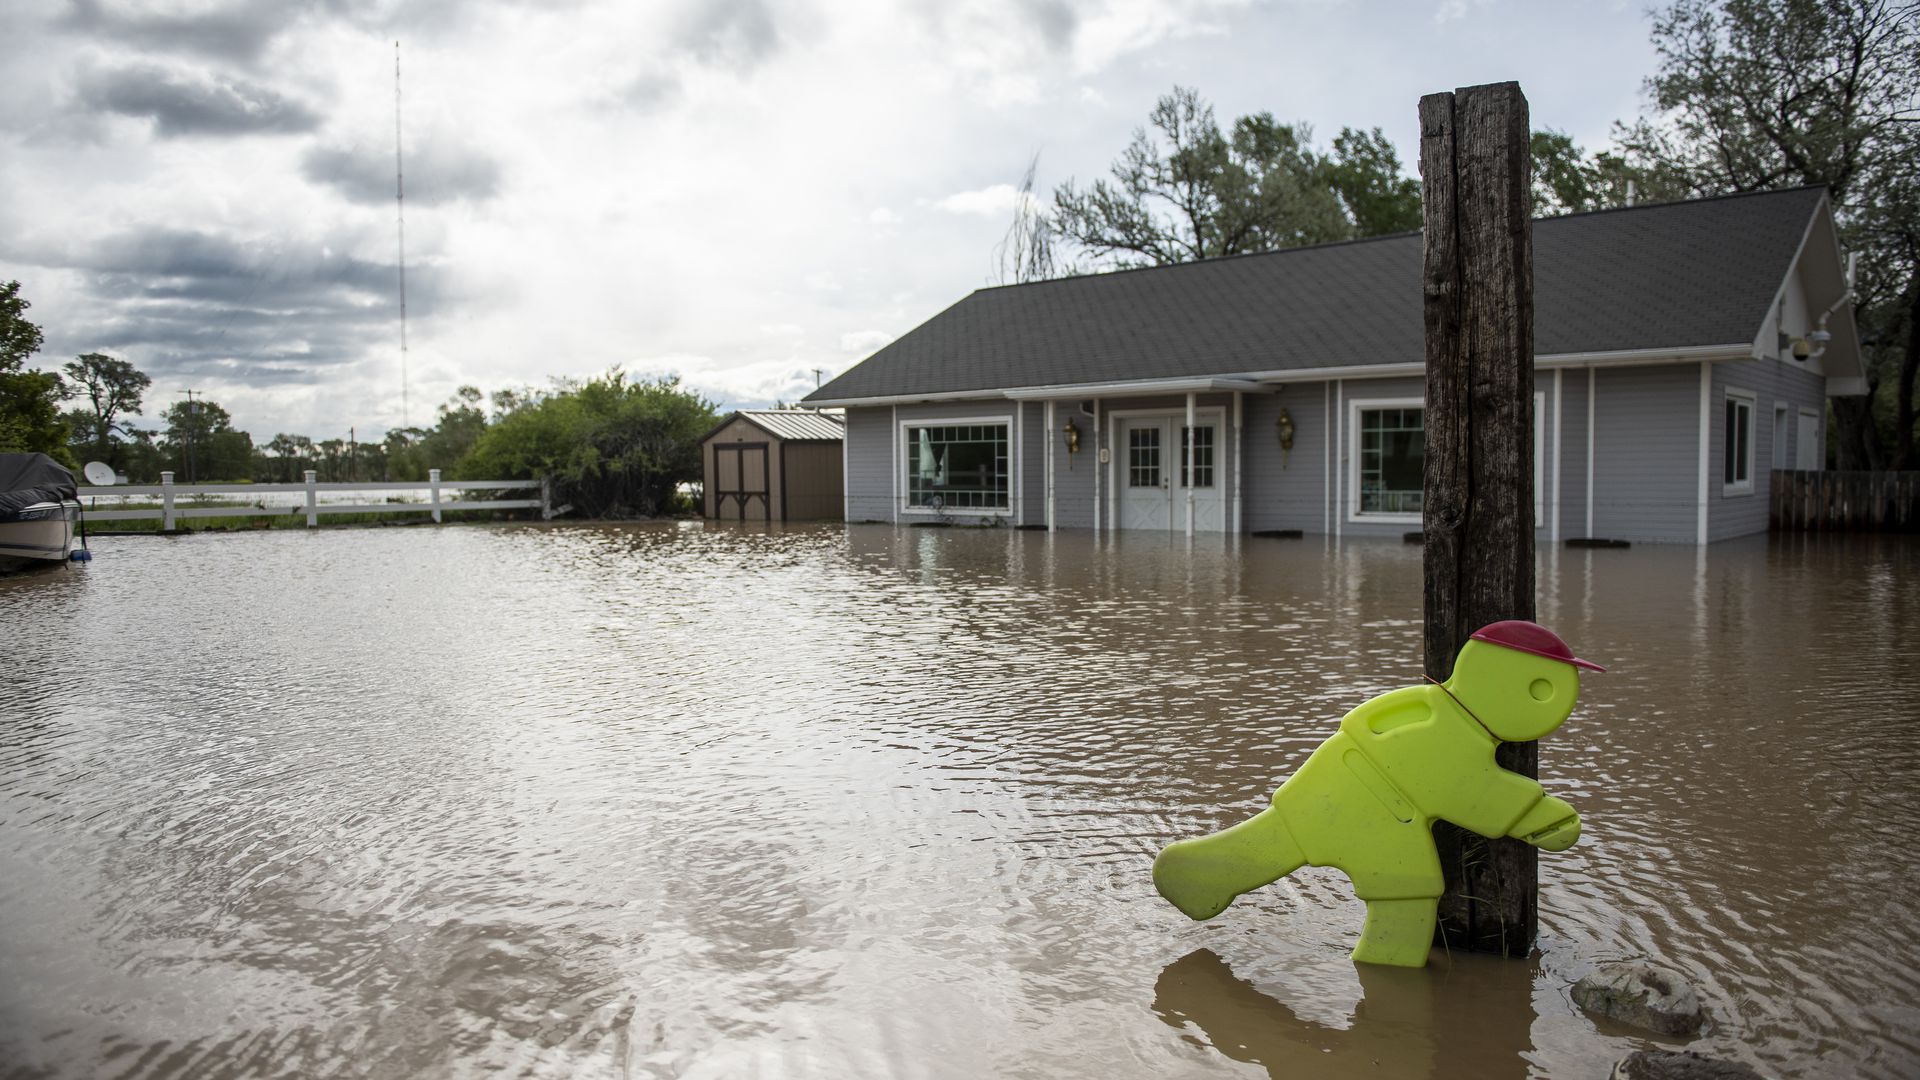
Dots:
pixel 1151 476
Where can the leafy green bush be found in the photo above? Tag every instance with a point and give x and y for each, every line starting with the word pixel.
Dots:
pixel 613 446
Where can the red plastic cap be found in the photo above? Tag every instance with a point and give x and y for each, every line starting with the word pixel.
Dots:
pixel 1531 638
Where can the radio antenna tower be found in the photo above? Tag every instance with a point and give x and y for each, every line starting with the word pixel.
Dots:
pixel 400 213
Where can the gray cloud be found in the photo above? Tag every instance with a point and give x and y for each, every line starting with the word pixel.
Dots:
pixel 650 90
pixel 1055 21
pixel 438 171
pixel 193 303
pixel 181 103
pixel 240 32
pixel 740 33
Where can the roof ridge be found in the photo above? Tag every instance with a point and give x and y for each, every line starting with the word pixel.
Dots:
pixel 1216 259
pixel 1210 260
pixel 1722 197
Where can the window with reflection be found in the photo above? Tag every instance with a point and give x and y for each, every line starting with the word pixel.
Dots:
pixel 957 466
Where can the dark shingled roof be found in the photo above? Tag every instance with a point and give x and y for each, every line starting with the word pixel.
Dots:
pixel 1663 276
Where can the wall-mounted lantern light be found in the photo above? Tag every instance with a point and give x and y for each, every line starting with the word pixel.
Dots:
pixel 1284 426
pixel 1071 432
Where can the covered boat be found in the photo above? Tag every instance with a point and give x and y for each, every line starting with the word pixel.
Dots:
pixel 39 506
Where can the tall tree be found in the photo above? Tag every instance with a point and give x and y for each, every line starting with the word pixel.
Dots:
pixel 1760 94
pixel 1365 173
pixel 202 444
pixel 1026 252
pixel 30 418
pixel 1187 191
pixel 114 388
pixel 1568 180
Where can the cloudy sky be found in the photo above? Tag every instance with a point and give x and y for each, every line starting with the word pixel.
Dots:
pixel 737 191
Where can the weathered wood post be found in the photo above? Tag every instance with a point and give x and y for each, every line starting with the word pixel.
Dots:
pixel 1478 505
pixel 166 501
pixel 313 498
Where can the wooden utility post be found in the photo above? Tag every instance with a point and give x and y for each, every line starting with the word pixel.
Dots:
pixel 1478 504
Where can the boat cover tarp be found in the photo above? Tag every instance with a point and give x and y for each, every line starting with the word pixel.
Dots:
pixel 26 479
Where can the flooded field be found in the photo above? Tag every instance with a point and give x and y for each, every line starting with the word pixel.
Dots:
pixel 688 802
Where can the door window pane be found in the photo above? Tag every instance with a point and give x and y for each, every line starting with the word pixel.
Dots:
pixel 1393 457
pixel 1143 457
pixel 957 466
pixel 1201 440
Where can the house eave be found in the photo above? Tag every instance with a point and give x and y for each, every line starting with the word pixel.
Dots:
pixel 1260 381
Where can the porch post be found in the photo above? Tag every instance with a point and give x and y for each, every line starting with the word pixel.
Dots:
pixel 1590 390
pixel 1239 451
pixel 1049 461
pixel 1019 462
pixel 1098 509
pixel 1189 440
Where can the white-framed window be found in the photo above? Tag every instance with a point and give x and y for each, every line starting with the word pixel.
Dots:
pixel 956 465
pixel 1389 455
pixel 1388 459
pixel 1737 443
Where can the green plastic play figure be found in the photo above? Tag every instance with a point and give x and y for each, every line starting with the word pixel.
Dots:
pixel 1366 800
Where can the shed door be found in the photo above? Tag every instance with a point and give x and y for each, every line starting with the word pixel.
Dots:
pixel 740 482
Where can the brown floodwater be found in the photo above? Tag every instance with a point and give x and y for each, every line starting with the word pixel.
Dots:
pixel 720 802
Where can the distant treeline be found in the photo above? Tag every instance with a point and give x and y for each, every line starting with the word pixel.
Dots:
pixel 613 446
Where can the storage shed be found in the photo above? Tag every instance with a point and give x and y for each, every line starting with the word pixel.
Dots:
pixel 775 465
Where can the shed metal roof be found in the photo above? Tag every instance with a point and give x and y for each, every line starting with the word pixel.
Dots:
pixel 1673 275
pixel 795 424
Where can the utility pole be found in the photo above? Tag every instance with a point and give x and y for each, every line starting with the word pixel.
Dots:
pixel 817 372
pixel 1477 509
pixel 400 217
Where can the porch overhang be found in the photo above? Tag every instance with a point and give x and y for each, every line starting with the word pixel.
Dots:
pixel 1137 388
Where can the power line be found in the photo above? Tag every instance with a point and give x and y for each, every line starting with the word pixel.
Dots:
pixel 400 213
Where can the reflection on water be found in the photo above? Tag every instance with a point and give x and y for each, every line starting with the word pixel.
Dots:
pixel 679 801
pixel 1405 1023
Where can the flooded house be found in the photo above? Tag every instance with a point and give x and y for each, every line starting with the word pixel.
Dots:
pixel 1683 352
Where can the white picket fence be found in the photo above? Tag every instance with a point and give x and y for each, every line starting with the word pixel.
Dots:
pixel 169 512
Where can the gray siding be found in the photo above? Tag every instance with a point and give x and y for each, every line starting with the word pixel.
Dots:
pixel 869 452
pixel 1031 450
pixel 1572 459
pixel 1772 382
pixel 1288 489
pixel 1646 453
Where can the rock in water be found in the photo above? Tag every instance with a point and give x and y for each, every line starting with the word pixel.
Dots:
pixel 1678 1065
pixel 1644 995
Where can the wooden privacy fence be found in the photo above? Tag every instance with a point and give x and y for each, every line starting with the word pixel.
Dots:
pixel 1845 502
pixel 170 512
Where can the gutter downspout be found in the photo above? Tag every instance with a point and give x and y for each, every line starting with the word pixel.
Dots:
pixel 1706 449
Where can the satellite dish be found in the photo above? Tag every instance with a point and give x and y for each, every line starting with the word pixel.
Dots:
pixel 100 474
